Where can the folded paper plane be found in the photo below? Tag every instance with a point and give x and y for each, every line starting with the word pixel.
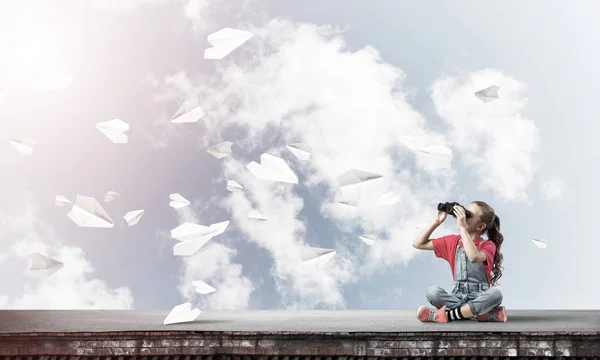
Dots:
pixel 540 243
pixel 233 185
pixel 189 231
pixel 110 196
pixel 42 262
pixel 178 201
pixel 194 236
pixel 60 200
pixel 300 150
pixel 224 42
pixel 368 239
pixel 352 177
pixel 312 256
pixel 389 198
pixel 203 288
pixel 425 147
pixel 114 130
pixel 272 168
pixel 181 314
pixel 438 151
pixel 189 112
pixel 353 203
pixel 255 214
pixel 220 150
pixel 133 217
pixel 23 145
pixel 488 94
pixel 87 212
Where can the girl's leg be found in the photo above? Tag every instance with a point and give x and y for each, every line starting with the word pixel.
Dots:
pixel 445 304
pixel 483 303
pixel 438 297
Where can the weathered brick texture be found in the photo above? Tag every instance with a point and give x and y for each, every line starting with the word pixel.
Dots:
pixel 293 346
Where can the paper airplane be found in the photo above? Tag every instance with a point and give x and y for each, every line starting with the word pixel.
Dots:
pixel 189 231
pixel 23 145
pixel 220 150
pixel 42 262
pixel 272 168
pixel 254 214
pixel 411 142
pixel 189 112
pixel 133 217
pixel 203 288
pixel 181 314
pixel 540 243
pixel 114 130
pixel 352 203
pixel 349 195
pixel 233 185
pixel 488 94
pixel 178 201
pixel 300 150
pixel 352 177
pixel 318 257
pixel 110 196
pixel 389 198
pixel 437 151
pixel 60 200
pixel 194 236
pixel 368 239
pixel 424 147
pixel 87 212
pixel 224 42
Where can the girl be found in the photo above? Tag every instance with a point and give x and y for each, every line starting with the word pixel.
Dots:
pixel 475 266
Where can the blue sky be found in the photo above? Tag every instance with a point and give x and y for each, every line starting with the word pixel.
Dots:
pixel 350 79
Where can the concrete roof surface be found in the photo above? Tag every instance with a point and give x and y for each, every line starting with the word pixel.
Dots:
pixel 310 321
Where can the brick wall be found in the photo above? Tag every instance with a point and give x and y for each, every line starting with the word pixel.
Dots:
pixel 299 346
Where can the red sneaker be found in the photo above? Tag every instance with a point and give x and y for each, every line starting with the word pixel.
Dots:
pixel 496 315
pixel 426 314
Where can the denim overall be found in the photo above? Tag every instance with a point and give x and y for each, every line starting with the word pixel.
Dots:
pixel 470 287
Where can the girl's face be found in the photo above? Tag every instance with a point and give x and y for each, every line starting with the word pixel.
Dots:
pixel 474 222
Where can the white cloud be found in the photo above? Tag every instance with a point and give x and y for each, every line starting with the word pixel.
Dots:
pixel 495 139
pixel 551 188
pixel 298 82
pixel 72 287
pixel 213 264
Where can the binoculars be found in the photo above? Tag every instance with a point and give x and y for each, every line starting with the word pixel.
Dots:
pixel 448 208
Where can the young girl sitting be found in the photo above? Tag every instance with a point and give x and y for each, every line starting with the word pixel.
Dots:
pixel 475 265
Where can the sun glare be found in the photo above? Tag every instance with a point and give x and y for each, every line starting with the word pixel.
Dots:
pixel 32 57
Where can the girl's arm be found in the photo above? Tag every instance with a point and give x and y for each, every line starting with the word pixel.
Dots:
pixel 471 250
pixel 422 242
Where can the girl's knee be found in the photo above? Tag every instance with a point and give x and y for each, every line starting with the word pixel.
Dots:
pixel 433 294
pixel 495 296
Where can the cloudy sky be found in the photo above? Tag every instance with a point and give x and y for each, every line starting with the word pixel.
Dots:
pixel 349 79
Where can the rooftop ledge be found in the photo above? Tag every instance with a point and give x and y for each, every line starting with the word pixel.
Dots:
pixel 295 335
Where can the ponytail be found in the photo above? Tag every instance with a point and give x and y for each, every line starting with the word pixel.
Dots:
pixel 494 235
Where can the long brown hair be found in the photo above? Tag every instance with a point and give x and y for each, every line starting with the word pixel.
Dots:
pixel 492 226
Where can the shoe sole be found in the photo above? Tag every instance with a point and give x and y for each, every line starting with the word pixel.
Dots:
pixel 504 314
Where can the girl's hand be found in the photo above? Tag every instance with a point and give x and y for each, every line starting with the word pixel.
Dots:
pixel 441 216
pixel 461 218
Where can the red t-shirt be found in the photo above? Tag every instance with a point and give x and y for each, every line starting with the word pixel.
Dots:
pixel 445 248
